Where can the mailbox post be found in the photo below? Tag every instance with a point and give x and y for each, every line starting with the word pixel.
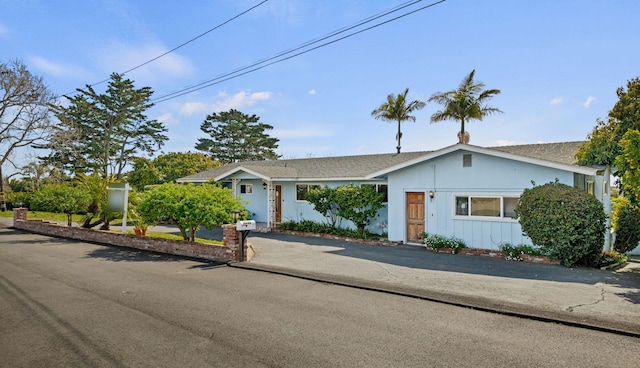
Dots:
pixel 243 227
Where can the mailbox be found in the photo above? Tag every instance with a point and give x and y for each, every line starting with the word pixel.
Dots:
pixel 246 225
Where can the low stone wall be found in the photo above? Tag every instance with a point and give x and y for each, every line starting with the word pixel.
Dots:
pixel 228 252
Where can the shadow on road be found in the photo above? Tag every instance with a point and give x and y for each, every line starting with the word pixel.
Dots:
pixel 118 254
pixel 419 258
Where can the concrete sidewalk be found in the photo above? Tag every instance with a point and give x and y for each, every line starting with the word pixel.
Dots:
pixel 599 299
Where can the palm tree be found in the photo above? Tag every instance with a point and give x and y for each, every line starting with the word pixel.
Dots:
pixel 397 109
pixel 464 104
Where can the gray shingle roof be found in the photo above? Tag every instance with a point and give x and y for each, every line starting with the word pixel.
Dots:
pixel 562 152
pixel 353 167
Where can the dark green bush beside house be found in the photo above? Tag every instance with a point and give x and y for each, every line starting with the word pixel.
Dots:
pixel 566 223
pixel 625 220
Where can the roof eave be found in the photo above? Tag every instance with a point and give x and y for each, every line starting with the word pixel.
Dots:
pixel 467 147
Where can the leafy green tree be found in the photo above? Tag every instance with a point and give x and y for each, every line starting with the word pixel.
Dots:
pixel 25 119
pixel 602 146
pixel 103 132
pixel 565 222
pixel 625 220
pixel 168 167
pixel 61 198
pixel 190 207
pixel 324 201
pixel 464 104
pixel 398 109
pixel 359 204
pixel 237 137
pixel 628 164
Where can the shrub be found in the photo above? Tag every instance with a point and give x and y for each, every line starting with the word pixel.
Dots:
pixel 607 258
pixel 567 223
pixel 359 204
pixel 309 226
pixel 438 242
pixel 19 199
pixel 625 220
pixel 190 207
pixel 61 198
pixel 324 201
pixel 515 252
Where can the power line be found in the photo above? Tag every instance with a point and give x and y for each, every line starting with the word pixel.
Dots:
pixel 183 44
pixel 265 62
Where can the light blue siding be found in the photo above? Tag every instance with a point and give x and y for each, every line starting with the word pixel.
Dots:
pixel 446 177
pixel 295 210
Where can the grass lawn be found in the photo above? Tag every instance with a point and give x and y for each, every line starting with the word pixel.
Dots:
pixel 46 216
pixel 177 237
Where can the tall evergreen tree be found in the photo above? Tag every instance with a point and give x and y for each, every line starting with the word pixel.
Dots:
pixel 102 133
pixel 236 136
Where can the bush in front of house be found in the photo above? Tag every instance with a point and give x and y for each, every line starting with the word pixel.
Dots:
pixel 189 207
pixel 61 198
pixel 439 242
pixel 309 226
pixel 515 252
pixel 566 223
pixel 625 221
pixel 19 199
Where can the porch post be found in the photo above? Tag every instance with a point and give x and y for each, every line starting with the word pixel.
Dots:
pixel 271 204
pixel 234 185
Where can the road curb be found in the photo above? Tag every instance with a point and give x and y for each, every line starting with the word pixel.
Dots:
pixel 459 300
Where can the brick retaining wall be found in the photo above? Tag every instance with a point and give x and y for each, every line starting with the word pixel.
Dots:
pixel 230 251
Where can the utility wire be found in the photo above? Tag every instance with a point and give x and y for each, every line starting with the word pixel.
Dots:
pixel 265 62
pixel 183 44
pixel 282 53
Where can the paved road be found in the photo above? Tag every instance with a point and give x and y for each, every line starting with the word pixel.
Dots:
pixel 71 304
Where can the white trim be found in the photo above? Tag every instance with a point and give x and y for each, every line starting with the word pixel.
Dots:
pixel 241 168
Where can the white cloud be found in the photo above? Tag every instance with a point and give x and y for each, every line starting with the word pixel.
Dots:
pixel 119 57
pixel 58 70
pixel 225 102
pixel 167 119
pixel 312 92
pixel 557 101
pixel 587 103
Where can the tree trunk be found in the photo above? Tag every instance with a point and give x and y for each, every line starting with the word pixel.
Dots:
pixel 399 136
pixel 3 202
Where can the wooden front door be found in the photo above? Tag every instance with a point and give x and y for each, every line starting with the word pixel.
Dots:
pixel 415 216
pixel 278 204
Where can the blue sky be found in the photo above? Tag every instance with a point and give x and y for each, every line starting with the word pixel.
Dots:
pixel 557 63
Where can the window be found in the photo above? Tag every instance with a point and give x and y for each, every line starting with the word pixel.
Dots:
pixel 303 189
pixel 486 206
pixel 466 160
pixel 381 188
pixel 246 188
pixel 462 206
pixel 509 207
